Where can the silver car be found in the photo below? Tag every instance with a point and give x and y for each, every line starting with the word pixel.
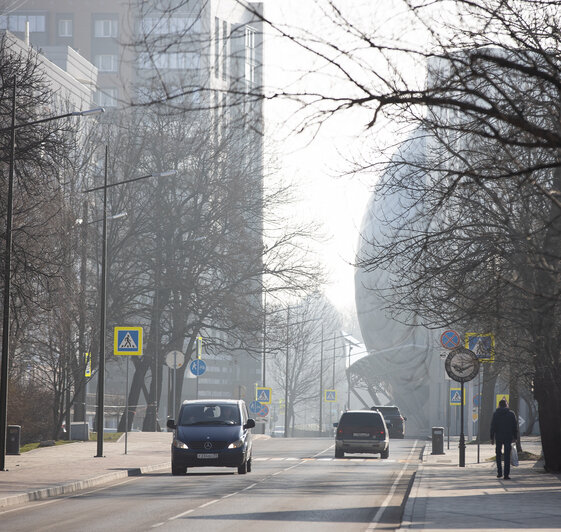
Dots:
pixel 361 431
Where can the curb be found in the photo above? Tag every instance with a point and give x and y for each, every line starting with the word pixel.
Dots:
pixel 73 487
pixel 413 494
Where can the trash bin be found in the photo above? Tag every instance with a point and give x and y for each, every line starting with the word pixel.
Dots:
pixel 13 439
pixel 437 440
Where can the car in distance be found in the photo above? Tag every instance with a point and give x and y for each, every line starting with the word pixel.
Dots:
pixel 277 432
pixel 211 433
pixel 394 420
pixel 361 431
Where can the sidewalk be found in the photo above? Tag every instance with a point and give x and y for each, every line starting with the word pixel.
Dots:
pixel 447 497
pixel 63 469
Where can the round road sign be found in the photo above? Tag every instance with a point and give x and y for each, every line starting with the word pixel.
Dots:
pixel 264 411
pixel 198 367
pixel 255 407
pixel 175 359
pixel 450 339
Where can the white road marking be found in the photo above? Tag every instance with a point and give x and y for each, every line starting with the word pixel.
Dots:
pixel 208 503
pixel 387 500
pixel 181 515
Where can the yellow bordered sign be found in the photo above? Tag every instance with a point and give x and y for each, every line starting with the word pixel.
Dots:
pixel 483 345
pixel 330 396
pixel 127 341
pixel 263 395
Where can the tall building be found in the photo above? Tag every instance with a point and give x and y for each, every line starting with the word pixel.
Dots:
pixel 196 51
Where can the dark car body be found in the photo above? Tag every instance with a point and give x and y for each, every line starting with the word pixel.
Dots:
pixel 211 433
pixel 361 431
pixel 394 420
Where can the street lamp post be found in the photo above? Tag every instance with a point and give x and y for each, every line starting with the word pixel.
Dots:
pixel 103 298
pixel 8 262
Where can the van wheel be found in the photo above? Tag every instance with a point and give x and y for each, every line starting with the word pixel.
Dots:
pixel 385 454
pixel 178 471
pixel 339 453
pixel 242 470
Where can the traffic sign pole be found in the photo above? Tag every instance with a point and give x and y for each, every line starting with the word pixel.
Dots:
pixel 127 408
pixel 462 439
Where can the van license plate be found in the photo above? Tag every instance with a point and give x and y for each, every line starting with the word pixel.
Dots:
pixel 207 455
pixel 361 434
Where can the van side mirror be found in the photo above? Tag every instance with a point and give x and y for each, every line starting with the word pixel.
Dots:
pixel 171 424
pixel 335 425
pixel 250 424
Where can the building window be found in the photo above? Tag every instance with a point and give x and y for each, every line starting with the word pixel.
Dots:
pixel 107 97
pixel 250 63
pixel 169 61
pixel 65 28
pixel 106 63
pixel 224 50
pixel 216 46
pixel 15 23
pixel 164 25
pixel 106 28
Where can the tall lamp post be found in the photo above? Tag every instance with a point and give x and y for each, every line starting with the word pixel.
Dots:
pixel 103 297
pixel 8 261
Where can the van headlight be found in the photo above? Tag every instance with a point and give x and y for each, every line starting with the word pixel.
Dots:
pixel 178 444
pixel 236 444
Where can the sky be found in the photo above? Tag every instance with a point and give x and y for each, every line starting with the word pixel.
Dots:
pixel 317 159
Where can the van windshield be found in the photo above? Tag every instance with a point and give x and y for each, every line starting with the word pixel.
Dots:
pixel 209 414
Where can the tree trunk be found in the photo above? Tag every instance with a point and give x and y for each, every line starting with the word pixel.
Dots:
pixel 547 393
pixel 487 401
pixel 140 369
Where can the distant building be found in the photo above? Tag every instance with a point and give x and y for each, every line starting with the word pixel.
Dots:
pixel 72 78
pixel 403 363
pixel 138 54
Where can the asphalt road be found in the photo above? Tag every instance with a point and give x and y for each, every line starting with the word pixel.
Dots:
pixel 296 484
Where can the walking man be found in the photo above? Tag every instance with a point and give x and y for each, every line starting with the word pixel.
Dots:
pixel 504 430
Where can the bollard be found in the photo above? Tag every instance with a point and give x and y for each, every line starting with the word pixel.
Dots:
pixel 437 440
pixel 13 439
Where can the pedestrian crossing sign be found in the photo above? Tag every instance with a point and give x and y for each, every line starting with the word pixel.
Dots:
pixel 330 396
pixel 499 397
pixel 263 395
pixel 127 341
pixel 456 397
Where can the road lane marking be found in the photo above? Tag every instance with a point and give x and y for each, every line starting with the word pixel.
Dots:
pixel 250 486
pixel 208 503
pixel 387 500
pixel 181 514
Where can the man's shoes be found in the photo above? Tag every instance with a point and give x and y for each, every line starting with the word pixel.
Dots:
pixel 506 478
pixel 499 475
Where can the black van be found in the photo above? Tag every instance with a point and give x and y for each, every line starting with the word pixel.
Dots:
pixel 361 431
pixel 211 433
pixel 394 420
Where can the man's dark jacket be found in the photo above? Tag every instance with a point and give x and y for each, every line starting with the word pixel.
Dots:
pixel 503 425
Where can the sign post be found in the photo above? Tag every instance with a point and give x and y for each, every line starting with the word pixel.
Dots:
pixel 174 360
pixel 127 341
pixel 462 365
